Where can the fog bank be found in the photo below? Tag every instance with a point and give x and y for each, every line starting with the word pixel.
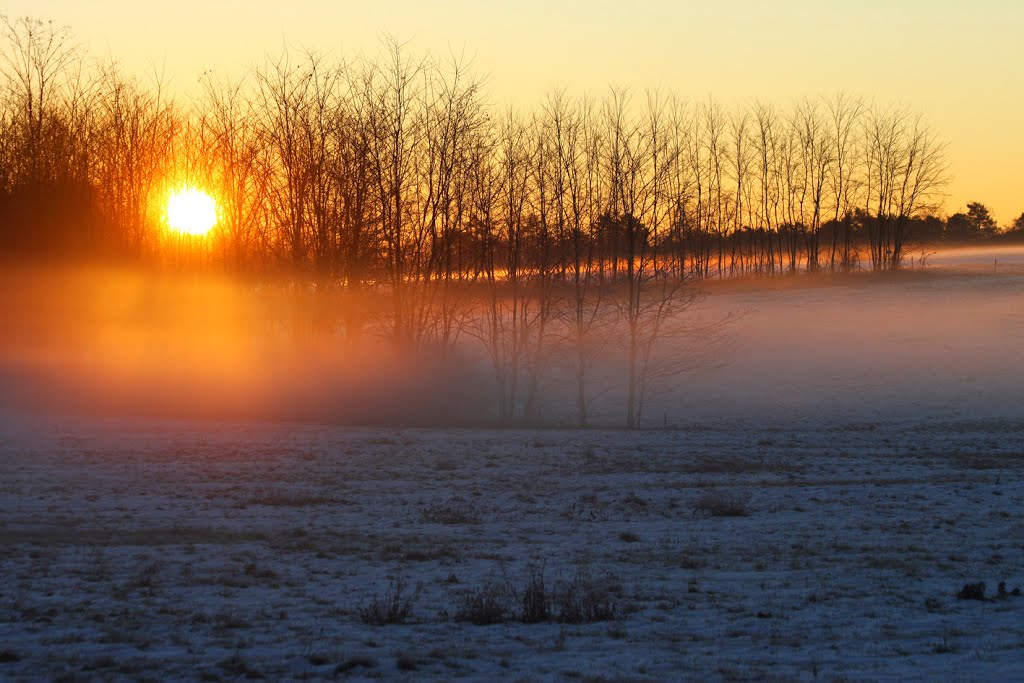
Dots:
pixel 946 343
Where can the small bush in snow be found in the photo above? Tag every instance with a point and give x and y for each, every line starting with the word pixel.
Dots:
pixel 485 605
pixel 405 662
pixel 356 662
pixel 722 504
pixel 237 667
pixel 972 591
pixel 455 510
pixel 1003 593
pixel 535 598
pixel 584 600
pixel 393 608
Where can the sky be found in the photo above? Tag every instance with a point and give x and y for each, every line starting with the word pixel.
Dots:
pixel 960 63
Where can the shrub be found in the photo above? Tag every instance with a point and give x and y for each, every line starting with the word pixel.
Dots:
pixel 1003 593
pixel 355 662
pixel 484 606
pixel 455 510
pixel 535 598
pixel 394 607
pixel 584 600
pixel 579 601
pixel 236 666
pixel 722 504
pixel 405 662
pixel 972 591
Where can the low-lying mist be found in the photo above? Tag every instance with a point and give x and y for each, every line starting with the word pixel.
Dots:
pixel 128 342
pixel 943 343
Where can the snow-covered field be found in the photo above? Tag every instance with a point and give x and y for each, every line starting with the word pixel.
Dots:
pixel 850 459
pixel 162 550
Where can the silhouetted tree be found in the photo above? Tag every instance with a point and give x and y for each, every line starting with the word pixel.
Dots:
pixel 977 223
pixel 136 127
pixel 45 124
pixel 1016 228
pixel 905 174
pixel 235 167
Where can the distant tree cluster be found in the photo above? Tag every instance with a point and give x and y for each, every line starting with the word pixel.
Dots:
pixel 397 176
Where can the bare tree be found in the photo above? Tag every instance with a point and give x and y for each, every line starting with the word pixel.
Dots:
pixel 816 163
pixel 454 122
pixel 135 137
pixel 36 62
pixel 906 173
pixel 766 144
pixel 576 143
pixel 236 166
pixel 844 113
pixel 499 193
pixel 46 125
pixel 738 128
pixel 713 116
pixel 391 101
pixel 286 93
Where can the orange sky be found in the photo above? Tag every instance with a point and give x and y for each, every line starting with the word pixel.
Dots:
pixel 959 62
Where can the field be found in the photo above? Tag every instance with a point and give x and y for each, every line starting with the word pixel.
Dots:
pixel 814 505
pixel 170 550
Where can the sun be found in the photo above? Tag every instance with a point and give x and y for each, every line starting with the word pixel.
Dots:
pixel 191 211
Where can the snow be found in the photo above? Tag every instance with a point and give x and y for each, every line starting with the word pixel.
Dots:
pixel 170 549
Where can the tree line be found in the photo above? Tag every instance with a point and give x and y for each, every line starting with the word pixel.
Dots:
pixel 398 168
pixel 396 176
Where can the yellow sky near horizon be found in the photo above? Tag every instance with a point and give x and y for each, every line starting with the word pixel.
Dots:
pixel 961 64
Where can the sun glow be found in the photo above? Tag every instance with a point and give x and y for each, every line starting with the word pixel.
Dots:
pixel 191 211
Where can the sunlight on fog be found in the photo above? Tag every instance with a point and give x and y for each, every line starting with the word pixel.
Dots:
pixel 942 342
